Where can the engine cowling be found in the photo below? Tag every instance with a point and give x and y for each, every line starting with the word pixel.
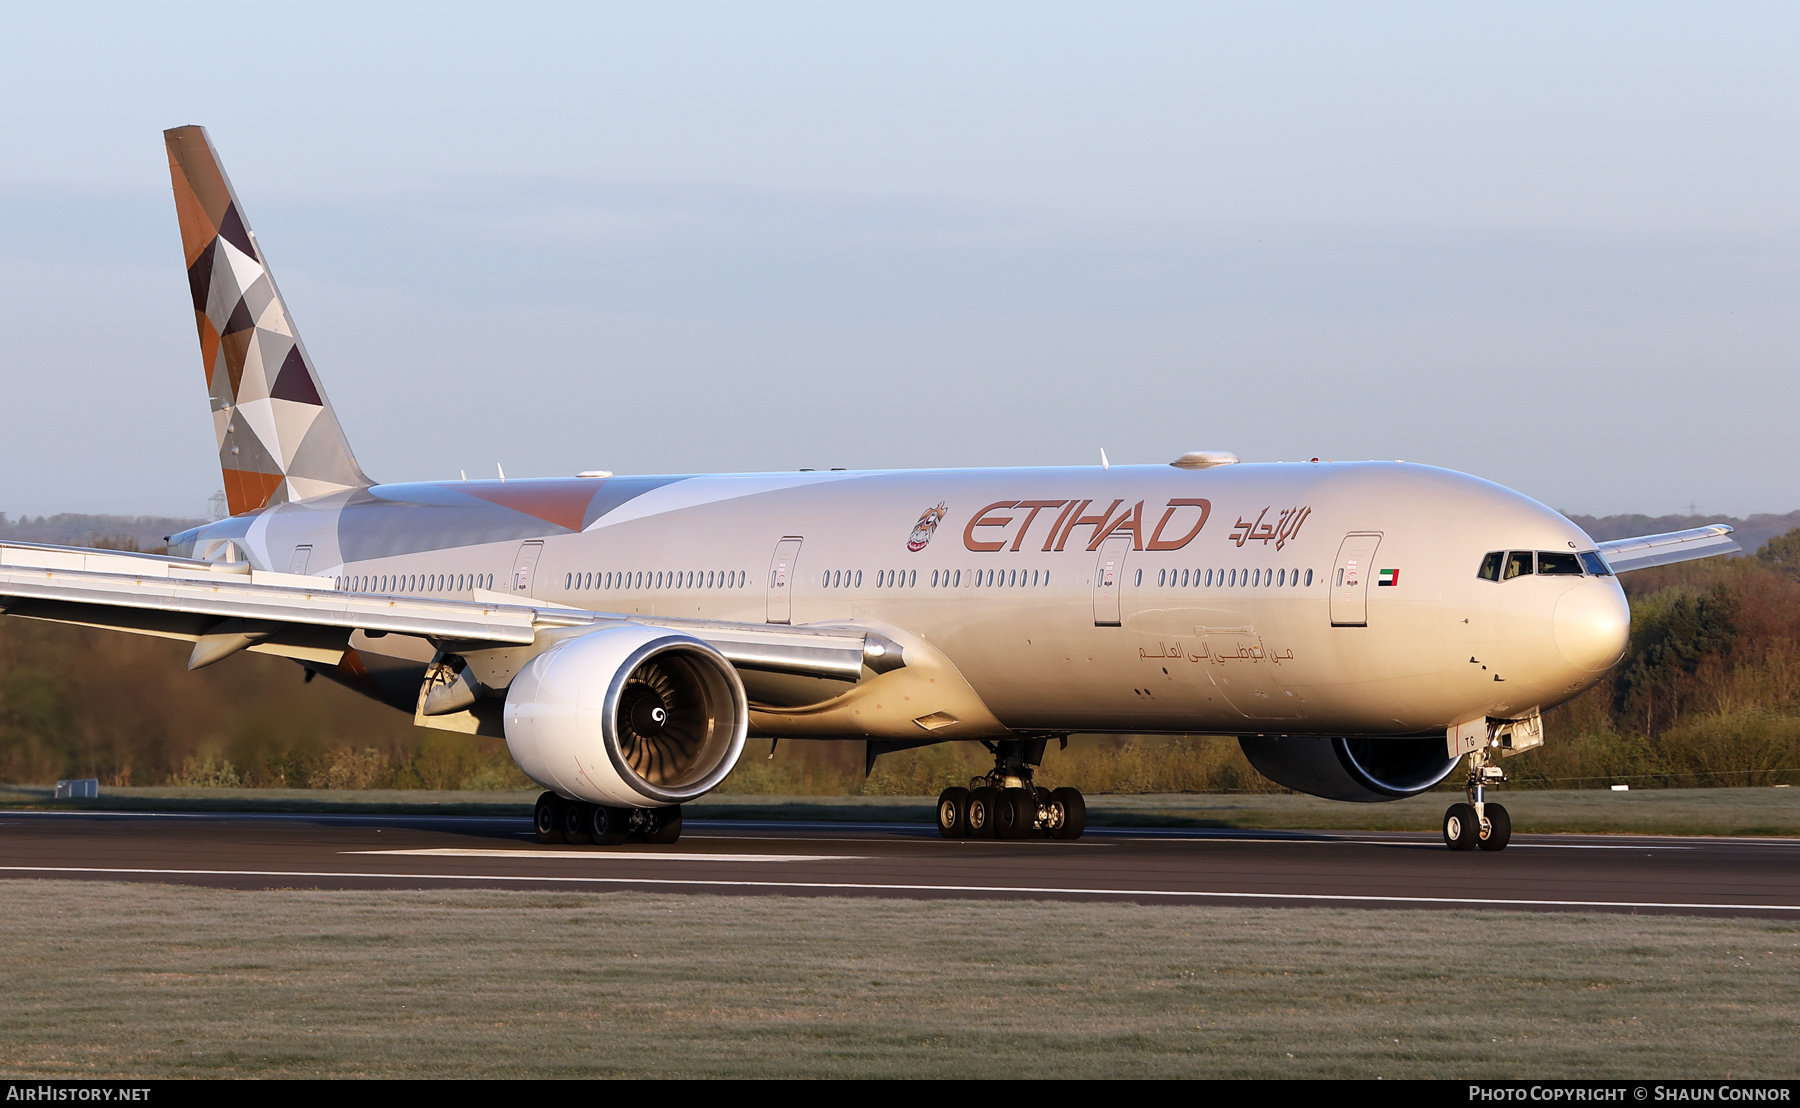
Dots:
pixel 627 716
pixel 1357 769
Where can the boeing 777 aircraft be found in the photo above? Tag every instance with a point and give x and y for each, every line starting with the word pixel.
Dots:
pixel 1361 627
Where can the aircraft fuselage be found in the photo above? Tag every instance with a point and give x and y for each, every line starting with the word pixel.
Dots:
pixel 1299 598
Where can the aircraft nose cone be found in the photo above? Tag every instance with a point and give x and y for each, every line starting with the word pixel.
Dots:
pixel 1592 625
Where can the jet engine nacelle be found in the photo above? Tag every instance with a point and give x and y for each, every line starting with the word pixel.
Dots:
pixel 627 716
pixel 1358 769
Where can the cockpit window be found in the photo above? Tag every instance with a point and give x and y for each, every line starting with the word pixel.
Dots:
pixel 1595 564
pixel 1518 564
pixel 1490 566
pixel 1556 563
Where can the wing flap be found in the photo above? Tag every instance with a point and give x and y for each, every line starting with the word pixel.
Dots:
pixel 1644 551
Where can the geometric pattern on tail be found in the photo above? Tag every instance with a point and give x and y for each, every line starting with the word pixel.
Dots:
pixel 278 438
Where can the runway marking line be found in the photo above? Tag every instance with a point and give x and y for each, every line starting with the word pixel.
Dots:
pixel 608 855
pixel 1323 898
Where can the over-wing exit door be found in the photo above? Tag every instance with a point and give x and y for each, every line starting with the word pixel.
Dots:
pixel 1350 579
pixel 781 579
pixel 1109 580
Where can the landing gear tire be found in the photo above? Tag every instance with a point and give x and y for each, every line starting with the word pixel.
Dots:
pixel 953 813
pixel 1016 817
pixel 1498 831
pixel 575 816
pixel 1462 828
pixel 1068 813
pixel 982 804
pixel 546 818
pixel 662 826
pixel 607 826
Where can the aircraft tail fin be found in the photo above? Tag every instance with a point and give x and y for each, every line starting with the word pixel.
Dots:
pixel 278 437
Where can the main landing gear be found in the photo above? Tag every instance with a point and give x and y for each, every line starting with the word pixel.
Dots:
pixel 1006 805
pixel 1478 823
pixel 577 822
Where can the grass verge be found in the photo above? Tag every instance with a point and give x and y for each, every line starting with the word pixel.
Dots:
pixel 106 979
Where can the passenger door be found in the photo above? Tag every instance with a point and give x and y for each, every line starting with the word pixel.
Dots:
pixel 525 565
pixel 302 554
pixel 1109 580
pixel 781 579
pixel 1350 579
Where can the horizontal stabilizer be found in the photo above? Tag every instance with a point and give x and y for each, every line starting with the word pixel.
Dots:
pixel 1676 546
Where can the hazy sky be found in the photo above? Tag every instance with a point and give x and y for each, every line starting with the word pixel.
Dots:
pixel 1559 249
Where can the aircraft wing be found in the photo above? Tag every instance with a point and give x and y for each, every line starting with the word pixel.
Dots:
pixel 224 608
pixel 1675 546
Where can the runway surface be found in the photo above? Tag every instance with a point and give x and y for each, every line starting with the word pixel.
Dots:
pixel 1738 877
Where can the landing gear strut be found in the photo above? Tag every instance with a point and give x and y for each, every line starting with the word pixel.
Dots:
pixel 1005 804
pixel 1478 823
pixel 577 822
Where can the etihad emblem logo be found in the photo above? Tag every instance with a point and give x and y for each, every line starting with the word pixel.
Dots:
pixel 922 530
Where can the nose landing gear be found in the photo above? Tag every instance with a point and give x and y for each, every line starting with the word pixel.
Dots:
pixel 1478 823
pixel 1005 804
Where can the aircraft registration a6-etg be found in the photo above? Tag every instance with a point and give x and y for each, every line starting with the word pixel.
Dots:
pixel 1360 627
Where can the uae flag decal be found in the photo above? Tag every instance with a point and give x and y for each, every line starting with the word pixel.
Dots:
pixel 1388 577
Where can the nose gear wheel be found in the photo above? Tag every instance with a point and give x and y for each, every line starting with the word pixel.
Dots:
pixel 1479 823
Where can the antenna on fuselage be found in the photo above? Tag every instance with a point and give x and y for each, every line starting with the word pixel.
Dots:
pixel 501 470
pixel 1104 464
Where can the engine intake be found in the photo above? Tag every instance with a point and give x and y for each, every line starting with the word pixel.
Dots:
pixel 627 716
pixel 1357 769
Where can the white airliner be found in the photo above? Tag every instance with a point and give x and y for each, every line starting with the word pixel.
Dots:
pixel 1360 627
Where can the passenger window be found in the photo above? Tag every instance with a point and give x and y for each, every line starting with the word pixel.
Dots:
pixel 1518 564
pixel 1595 564
pixel 1309 577
pixel 1557 564
pixel 859 578
pixel 1490 566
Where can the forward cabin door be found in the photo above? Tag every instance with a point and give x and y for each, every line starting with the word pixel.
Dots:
pixel 525 566
pixel 781 579
pixel 1109 580
pixel 302 554
pixel 1350 579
